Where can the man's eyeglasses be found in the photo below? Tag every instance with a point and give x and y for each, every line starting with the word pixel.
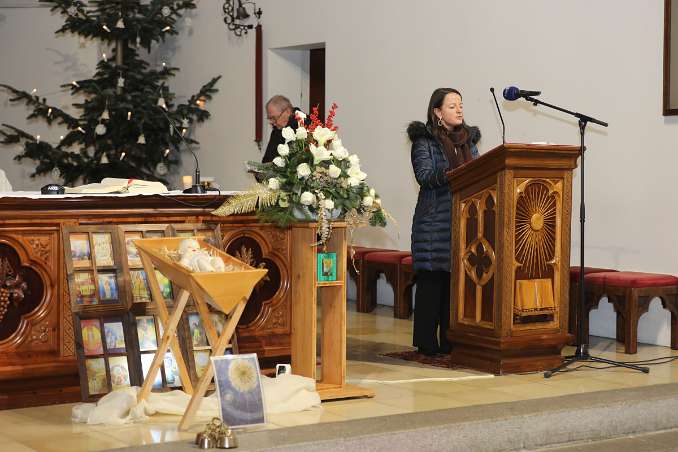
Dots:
pixel 275 118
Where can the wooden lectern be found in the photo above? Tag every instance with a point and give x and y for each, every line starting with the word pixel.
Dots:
pixel 511 211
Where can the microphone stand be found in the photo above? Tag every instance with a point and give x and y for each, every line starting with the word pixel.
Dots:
pixel 197 186
pixel 582 346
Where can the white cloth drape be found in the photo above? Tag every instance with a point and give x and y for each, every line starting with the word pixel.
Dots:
pixel 284 394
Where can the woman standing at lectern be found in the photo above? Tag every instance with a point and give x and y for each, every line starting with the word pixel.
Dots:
pixel 443 143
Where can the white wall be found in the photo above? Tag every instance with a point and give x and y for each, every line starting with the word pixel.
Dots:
pixel 383 59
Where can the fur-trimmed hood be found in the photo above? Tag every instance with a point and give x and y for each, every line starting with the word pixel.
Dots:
pixel 417 129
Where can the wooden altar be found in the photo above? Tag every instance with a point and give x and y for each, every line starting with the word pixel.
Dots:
pixel 37 348
pixel 511 213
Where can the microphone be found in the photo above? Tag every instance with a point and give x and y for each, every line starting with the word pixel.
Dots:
pixel 515 93
pixel 503 126
pixel 196 187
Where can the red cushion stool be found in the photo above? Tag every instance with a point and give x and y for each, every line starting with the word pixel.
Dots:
pixel 355 269
pixel 630 294
pixel 374 264
pixel 574 294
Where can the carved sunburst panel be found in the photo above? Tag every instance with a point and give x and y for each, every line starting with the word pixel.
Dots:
pixel 536 228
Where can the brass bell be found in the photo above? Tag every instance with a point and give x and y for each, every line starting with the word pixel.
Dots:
pixel 227 440
pixel 204 440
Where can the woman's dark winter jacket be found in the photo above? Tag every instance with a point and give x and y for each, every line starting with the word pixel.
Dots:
pixel 431 221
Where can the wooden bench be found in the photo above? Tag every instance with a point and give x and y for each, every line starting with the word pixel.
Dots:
pixel 630 294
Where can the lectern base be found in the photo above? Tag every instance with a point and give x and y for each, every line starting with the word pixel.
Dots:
pixel 507 355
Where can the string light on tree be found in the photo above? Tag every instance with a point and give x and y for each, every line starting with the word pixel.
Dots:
pixel 122 155
pixel 105 27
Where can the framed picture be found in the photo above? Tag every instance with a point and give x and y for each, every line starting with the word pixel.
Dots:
pixel 103 249
pixel 241 398
pixel 115 337
pixel 172 377
pixel 165 286
pixel 108 287
pixel 81 256
pixel 119 370
pixel 97 381
pixel 219 321
pixel 139 282
pixel 197 331
pixel 146 333
pixel 84 288
pixel 91 337
pixel 133 259
pixel 327 266
pixel 146 361
pixel 201 358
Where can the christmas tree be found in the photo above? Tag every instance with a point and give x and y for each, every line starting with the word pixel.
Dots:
pixel 130 121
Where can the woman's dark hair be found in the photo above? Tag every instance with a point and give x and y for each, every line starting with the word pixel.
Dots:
pixel 456 141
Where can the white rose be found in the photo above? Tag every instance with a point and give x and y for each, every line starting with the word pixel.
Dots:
pixel 302 133
pixel 328 204
pixel 279 161
pixel 367 201
pixel 336 144
pixel 283 202
pixel 377 201
pixel 322 135
pixel 334 171
pixel 340 153
pixel 353 182
pixel 283 149
pixel 354 160
pixel 303 170
pixel 320 154
pixel 299 115
pixel 274 183
pixel 355 172
pixel 307 198
pixel 288 134
pixel 372 192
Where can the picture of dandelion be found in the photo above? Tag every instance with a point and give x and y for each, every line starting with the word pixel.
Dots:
pixel 239 389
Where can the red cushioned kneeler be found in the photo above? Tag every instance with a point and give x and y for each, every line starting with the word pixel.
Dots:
pixel 630 294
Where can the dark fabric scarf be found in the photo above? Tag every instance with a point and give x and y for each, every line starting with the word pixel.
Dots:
pixel 455 144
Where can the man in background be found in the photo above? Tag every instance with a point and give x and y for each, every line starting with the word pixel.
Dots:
pixel 280 114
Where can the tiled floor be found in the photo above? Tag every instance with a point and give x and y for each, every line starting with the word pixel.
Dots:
pixel 400 387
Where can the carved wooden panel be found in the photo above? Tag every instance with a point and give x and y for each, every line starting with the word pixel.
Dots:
pixel 478 259
pixel 29 318
pixel 268 309
pixel 538 209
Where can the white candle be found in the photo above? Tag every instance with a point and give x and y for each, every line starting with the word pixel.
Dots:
pixel 187 180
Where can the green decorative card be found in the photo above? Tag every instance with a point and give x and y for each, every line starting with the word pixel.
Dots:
pixel 327 266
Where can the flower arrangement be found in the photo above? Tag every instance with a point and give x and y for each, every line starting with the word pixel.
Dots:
pixel 313 178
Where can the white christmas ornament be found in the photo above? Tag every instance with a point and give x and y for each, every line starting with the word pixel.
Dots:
pixel 105 115
pixel 161 169
pixel 72 10
pixel 104 159
pixel 161 103
pixel 166 11
pixel 121 82
pixel 56 173
pixel 142 139
pixel 100 129
pixel 120 23
pixel 184 123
